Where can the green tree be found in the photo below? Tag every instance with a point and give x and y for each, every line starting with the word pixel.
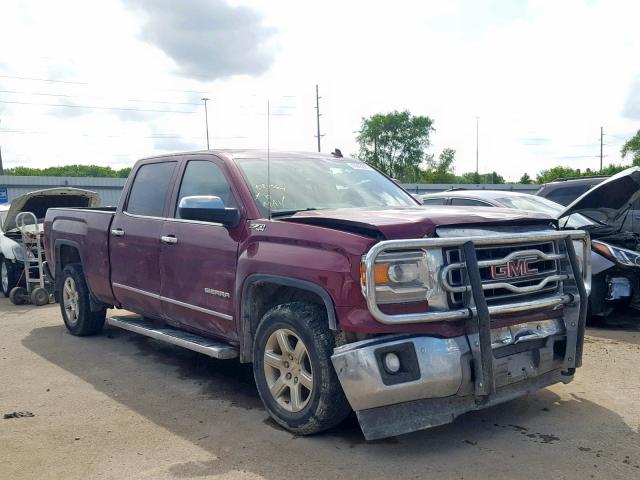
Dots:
pixel 525 178
pixel 440 170
pixel 632 147
pixel 396 143
pixel 477 178
pixel 69 171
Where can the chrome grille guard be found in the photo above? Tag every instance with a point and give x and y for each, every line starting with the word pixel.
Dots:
pixel 477 316
pixel 569 290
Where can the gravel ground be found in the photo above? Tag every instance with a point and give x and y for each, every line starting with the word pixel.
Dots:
pixel 122 406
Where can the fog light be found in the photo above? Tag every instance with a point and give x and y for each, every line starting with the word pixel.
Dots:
pixel 392 362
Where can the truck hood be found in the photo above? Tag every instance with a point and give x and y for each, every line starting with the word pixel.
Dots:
pixel 40 201
pixel 609 200
pixel 413 222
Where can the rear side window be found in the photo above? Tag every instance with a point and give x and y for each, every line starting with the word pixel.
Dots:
pixel 468 202
pixel 205 178
pixel 566 195
pixel 433 201
pixel 150 189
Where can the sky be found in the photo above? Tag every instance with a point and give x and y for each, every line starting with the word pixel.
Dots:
pixel 113 81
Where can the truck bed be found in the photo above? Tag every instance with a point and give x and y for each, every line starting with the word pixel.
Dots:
pixel 88 230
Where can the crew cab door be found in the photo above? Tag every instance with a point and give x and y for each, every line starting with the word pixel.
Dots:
pixel 198 259
pixel 135 239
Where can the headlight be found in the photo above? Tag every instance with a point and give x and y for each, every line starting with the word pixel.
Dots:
pixel 405 277
pixel 619 255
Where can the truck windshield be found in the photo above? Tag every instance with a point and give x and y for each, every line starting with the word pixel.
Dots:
pixel 320 183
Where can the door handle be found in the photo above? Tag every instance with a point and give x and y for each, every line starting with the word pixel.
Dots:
pixel 117 232
pixel 170 239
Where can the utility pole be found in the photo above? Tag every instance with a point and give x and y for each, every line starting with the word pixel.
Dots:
pixel 206 118
pixel 601 141
pixel 318 97
pixel 477 141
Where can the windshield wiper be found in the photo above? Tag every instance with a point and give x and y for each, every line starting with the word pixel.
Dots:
pixel 285 213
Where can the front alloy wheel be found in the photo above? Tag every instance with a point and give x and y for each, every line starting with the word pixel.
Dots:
pixel 292 367
pixel 287 370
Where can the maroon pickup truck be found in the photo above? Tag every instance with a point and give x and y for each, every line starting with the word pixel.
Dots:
pixel 341 289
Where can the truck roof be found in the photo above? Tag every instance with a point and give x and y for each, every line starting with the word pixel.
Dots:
pixel 258 154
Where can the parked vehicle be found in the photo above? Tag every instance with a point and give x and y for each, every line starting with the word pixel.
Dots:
pixel 601 211
pixel 333 281
pixel 566 190
pixel 12 253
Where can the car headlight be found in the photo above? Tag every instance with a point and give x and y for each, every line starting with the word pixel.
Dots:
pixel 405 277
pixel 625 257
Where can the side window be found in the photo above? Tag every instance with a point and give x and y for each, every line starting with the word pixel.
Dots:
pixel 150 189
pixel 205 178
pixel 468 202
pixel 433 201
pixel 566 195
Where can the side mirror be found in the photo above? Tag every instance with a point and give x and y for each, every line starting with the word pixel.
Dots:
pixel 208 208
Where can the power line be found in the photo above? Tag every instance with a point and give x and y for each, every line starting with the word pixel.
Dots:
pixel 42 80
pixel 69 82
pixel 18 92
pixel 21 131
pixel 90 107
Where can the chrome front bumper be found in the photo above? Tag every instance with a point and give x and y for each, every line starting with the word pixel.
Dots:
pixel 438 371
pixel 441 367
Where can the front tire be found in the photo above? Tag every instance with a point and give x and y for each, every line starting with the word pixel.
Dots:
pixel 75 303
pixel 8 276
pixel 293 372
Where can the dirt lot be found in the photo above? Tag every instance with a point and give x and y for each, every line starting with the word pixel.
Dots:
pixel 122 406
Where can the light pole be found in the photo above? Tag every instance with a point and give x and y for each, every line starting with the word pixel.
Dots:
pixel 206 118
pixel 477 137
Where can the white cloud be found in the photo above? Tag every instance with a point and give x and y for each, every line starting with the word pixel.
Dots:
pixel 542 76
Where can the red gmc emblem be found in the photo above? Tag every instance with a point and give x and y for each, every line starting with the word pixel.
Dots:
pixel 520 267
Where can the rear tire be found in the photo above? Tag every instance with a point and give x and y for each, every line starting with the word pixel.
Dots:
pixel 8 276
pixel 75 303
pixel 293 371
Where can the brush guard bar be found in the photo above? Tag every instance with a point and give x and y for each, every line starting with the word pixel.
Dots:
pixel 572 295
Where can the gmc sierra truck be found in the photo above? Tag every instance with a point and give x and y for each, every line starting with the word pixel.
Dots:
pixel 341 290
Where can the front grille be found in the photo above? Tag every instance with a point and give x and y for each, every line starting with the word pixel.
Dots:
pixel 533 267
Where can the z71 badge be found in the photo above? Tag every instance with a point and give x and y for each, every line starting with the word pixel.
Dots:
pixel 258 227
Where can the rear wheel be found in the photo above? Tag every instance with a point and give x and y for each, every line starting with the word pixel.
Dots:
pixel 293 371
pixel 75 303
pixel 8 276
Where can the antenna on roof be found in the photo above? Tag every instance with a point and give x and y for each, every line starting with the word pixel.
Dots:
pixel 268 160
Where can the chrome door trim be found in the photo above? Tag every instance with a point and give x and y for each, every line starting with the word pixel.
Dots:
pixel 155 296
pixel 135 215
pixel 198 222
pixel 170 219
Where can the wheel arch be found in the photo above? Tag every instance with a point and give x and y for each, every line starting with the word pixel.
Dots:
pixel 261 292
pixel 67 252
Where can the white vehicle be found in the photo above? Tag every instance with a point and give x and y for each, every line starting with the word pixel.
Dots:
pixel 12 253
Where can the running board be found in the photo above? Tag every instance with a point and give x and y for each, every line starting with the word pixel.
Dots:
pixel 197 343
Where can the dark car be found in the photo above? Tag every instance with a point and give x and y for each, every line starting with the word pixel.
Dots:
pixel 615 257
pixel 566 190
